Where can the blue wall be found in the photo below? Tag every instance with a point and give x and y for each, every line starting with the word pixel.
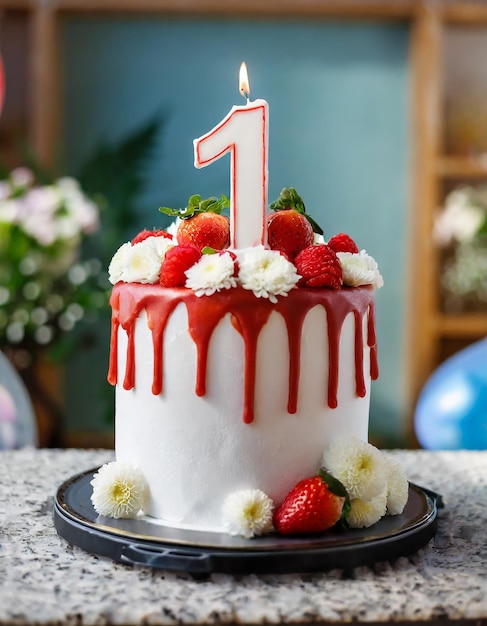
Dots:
pixel 339 133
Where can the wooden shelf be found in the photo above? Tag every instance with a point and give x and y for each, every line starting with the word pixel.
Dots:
pixel 460 324
pixel 466 13
pixel 349 9
pixel 452 167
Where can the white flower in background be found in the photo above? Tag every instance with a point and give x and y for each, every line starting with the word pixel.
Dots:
pixel 119 490
pixel 247 513
pixel 119 263
pixel 266 272
pixel 80 213
pixel 37 215
pixel 21 177
pixel 360 269
pixel 397 487
pixel 213 272
pixel 10 210
pixel 365 513
pixel 461 218
pixel 358 465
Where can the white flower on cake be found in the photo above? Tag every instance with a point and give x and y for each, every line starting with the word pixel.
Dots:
pixel 365 513
pixel 266 272
pixel 213 272
pixel 397 487
pixel 172 229
pixel 119 490
pixel 139 263
pixel 247 513
pixel 358 465
pixel 119 263
pixel 360 269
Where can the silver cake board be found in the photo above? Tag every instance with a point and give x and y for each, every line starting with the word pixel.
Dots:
pixel 148 543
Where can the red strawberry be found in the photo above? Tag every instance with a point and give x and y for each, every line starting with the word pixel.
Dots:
pixel 343 243
pixel 145 234
pixel 205 230
pixel 319 267
pixel 176 261
pixel 312 506
pixel 289 232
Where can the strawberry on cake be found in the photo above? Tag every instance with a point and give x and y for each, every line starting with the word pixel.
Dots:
pixel 240 373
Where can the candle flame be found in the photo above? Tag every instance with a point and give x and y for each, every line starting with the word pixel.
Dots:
pixel 243 85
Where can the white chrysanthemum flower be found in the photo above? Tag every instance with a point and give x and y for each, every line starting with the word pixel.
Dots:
pixel 139 263
pixel 397 487
pixel 172 229
pixel 119 263
pixel 119 490
pixel 360 269
pixel 358 465
pixel 248 512
pixel 266 272
pixel 213 272
pixel 365 513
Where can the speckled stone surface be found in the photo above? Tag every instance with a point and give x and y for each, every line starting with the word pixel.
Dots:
pixel 45 580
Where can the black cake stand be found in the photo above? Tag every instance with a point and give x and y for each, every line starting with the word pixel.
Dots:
pixel 148 543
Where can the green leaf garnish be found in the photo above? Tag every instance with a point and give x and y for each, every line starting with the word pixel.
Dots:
pixel 338 488
pixel 208 250
pixel 290 199
pixel 197 205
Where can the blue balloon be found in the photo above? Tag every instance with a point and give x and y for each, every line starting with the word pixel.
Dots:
pixel 451 413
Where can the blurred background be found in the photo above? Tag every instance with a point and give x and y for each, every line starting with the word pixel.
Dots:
pixel 378 117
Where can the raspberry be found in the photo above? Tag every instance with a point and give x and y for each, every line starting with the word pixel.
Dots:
pixel 176 261
pixel 343 243
pixel 319 266
pixel 145 234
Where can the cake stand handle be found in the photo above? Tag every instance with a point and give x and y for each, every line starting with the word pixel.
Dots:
pixel 190 561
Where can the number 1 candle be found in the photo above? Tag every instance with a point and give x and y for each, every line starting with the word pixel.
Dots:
pixel 244 134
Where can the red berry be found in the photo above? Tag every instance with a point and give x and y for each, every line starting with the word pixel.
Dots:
pixel 310 507
pixel 343 243
pixel 319 267
pixel 145 234
pixel 289 231
pixel 205 230
pixel 175 263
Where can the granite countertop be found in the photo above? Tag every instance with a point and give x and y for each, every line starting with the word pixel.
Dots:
pixel 45 580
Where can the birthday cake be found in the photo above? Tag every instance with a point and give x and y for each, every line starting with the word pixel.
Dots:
pixel 242 352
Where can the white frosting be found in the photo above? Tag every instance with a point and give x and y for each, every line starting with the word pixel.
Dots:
pixel 195 451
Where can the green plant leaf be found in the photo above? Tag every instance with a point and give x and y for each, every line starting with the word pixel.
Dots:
pixel 197 205
pixel 338 488
pixel 115 176
pixel 290 199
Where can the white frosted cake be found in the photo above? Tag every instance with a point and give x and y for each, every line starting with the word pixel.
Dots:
pixel 243 379
pixel 229 392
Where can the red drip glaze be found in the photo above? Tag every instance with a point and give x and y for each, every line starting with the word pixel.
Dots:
pixel 249 314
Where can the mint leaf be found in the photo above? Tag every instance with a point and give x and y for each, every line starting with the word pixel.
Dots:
pixel 197 205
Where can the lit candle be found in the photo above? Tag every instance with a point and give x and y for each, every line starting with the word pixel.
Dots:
pixel 244 133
